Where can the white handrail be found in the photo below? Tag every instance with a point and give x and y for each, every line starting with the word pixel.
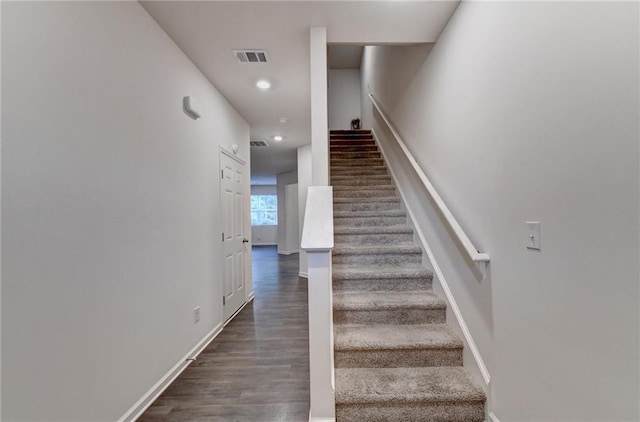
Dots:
pixel 472 251
pixel 317 242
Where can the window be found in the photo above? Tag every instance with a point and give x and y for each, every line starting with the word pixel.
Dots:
pixel 264 210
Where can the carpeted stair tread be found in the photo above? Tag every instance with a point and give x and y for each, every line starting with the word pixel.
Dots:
pixel 371 213
pixel 385 186
pixel 366 199
pixel 373 301
pixel 363 180
pixel 352 148
pixel 399 229
pixel 354 154
pixel 390 337
pixel 405 385
pixel 343 249
pixel 377 255
pixel 347 131
pixel 342 272
pixel 361 170
pixel 370 221
pixel 395 358
pixel 365 192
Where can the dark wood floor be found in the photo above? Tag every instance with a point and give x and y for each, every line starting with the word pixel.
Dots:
pixel 257 369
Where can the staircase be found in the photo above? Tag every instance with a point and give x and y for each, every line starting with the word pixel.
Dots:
pixel 396 358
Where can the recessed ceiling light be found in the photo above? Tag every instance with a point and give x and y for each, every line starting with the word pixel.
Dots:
pixel 263 84
pixel 283 120
pixel 277 138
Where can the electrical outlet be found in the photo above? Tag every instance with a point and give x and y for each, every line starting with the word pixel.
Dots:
pixel 196 314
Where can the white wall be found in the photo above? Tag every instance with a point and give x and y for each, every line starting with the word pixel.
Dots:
pixel 304 181
pixel 264 235
pixel 344 97
pixel 110 208
pixel 528 111
pixel 287 221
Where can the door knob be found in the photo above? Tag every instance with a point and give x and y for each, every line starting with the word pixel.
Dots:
pixel 245 240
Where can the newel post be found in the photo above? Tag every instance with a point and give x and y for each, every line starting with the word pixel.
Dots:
pixel 317 241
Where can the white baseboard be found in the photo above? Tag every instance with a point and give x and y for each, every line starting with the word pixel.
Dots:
pixel 493 417
pixel 264 244
pixel 288 252
pixel 250 297
pixel 158 388
pixel 303 274
pixel 438 272
pixel 313 419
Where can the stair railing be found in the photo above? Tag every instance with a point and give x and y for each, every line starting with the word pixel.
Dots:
pixel 317 241
pixel 474 254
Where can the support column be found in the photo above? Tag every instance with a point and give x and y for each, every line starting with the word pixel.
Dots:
pixel 319 112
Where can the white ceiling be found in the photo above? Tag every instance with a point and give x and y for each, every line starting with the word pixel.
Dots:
pixel 208 31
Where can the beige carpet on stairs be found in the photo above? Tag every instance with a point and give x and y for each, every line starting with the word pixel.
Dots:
pixel 396 358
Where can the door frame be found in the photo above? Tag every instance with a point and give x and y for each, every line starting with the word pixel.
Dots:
pixel 246 227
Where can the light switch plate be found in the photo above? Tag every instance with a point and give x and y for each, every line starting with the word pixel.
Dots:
pixel 533 235
pixel 196 314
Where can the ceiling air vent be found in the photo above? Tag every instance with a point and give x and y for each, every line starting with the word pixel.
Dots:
pixel 251 56
pixel 258 144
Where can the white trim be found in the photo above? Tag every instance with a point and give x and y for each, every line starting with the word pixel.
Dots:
pixel 288 252
pixel 232 155
pixel 472 251
pixel 321 419
pixel 493 417
pixel 158 388
pixel 438 272
pixel 264 244
pixel 303 274
pixel 250 297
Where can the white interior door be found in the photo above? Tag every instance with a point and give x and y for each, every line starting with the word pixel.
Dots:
pixel 234 242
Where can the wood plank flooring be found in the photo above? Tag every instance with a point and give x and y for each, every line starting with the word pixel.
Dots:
pixel 257 369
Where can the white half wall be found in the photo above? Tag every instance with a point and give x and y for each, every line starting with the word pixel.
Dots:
pixel 344 97
pixel 288 230
pixel 264 235
pixel 319 114
pixel 111 215
pixel 304 181
pixel 528 111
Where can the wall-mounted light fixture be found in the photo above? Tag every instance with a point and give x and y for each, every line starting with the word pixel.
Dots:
pixel 191 107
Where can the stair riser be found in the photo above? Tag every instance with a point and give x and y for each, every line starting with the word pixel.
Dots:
pixel 360 181
pixel 371 285
pixel 377 260
pixel 353 155
pixel 350 131
pixel 352 143
pixel 358 172
pixel 353 148
pixel 369 221
pixel 363 193
pixel 373 239
pixel 397 358
pixel 415 412
pixel 356 162
pixel 350 136
pixel 367 206
pixel 390 316
pixel 380 186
